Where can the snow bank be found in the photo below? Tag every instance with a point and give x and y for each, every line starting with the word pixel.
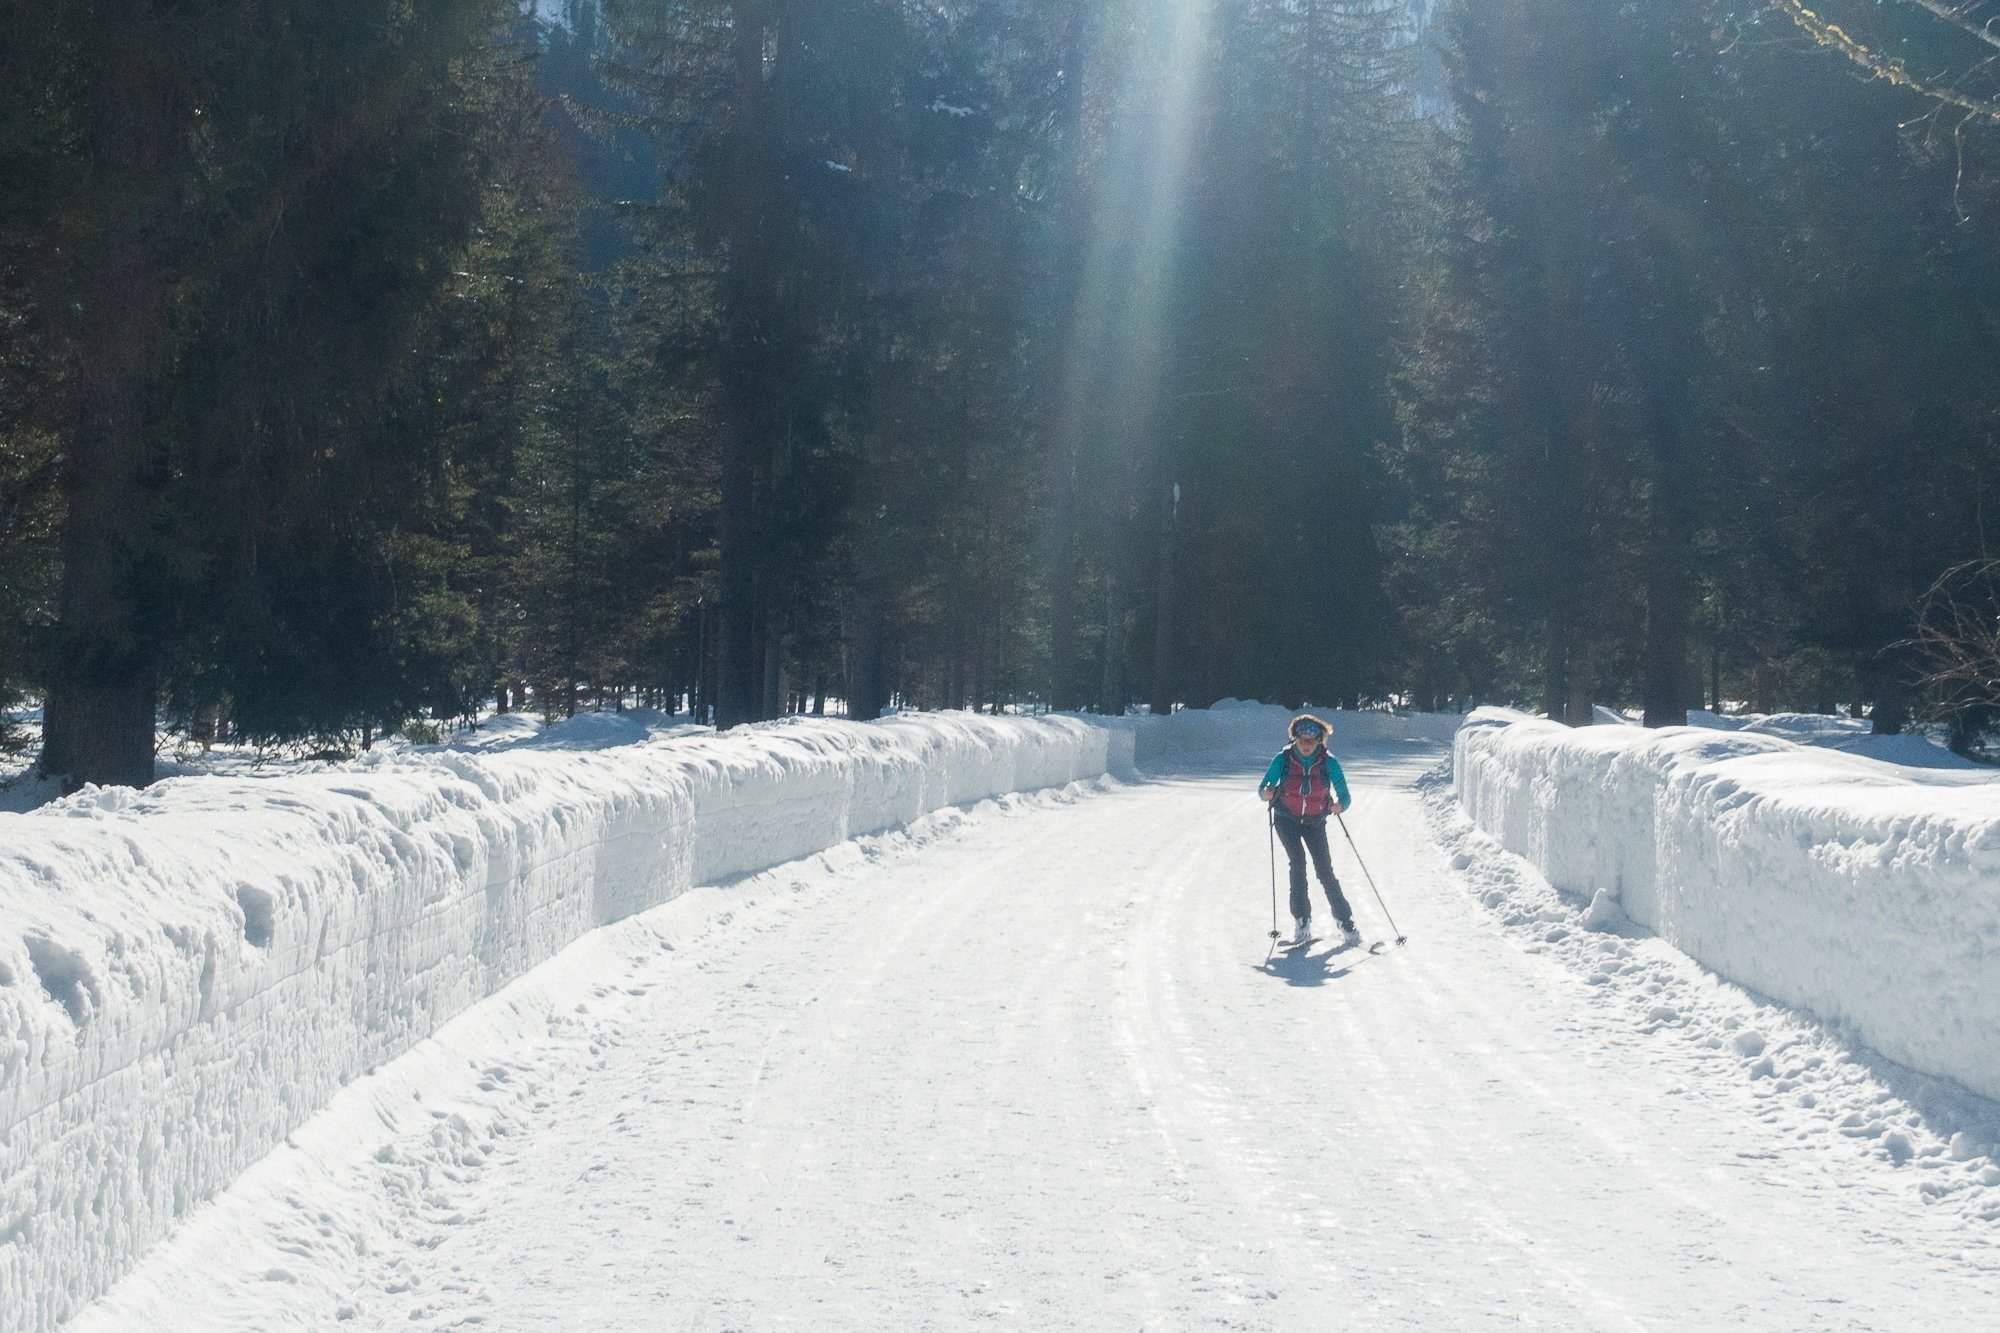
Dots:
pixel 189 972
pixel 1807 1078
pixel 1866 892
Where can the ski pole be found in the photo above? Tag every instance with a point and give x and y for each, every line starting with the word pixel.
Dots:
pixel 1400 938
pixel 1271 819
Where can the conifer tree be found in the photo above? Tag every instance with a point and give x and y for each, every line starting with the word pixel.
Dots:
pixel 259 216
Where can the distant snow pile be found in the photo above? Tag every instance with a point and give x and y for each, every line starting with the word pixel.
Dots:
pixel 187 973
pixel 1239 731
pixel 1851 735
pixel 1866 892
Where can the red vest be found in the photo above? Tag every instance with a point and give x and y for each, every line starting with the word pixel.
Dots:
pixel 1307 791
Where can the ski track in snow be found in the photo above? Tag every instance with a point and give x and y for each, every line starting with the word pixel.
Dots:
pixel 1032 1066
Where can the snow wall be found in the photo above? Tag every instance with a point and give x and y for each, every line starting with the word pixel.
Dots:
pixel 187 973
pixel 1863 891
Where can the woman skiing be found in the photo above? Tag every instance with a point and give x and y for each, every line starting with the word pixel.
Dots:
pixel 1304 785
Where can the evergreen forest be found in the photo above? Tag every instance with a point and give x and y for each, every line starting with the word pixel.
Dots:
pixel 369 364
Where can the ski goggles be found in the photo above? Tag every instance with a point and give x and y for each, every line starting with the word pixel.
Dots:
pixel 1309 730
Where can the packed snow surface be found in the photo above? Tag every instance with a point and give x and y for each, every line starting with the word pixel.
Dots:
pixel 188 973
pixel 1033 1065
pixel 1865 891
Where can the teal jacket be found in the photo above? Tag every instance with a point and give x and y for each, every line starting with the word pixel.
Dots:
pixel 1297 785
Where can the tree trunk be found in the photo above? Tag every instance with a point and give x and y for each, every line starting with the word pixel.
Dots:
pixel 755 708
pixel 868 686
pixel 701 694
pixel 100 729
pixel 1203 671
pixel 103 666
pixel 1892 700
pixel 954 671
pixel 1066 419
pixel 1062 579
pixel 736 685
pixel 774 671
pixel 1666 646
pixel 1671 516
pixel 738 689
pixel 1111 689
pixel 99 713
pixel 1581 711
pixel 1163 624
pixel 1555 674
pixel 996 706
pixel 975 687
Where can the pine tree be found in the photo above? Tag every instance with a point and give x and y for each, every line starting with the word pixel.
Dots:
pixel 260 215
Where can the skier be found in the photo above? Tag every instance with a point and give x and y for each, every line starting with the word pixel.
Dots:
pixel 1303 786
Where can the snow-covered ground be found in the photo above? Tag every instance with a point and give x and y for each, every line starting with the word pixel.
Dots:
pixel 1912 749
pixel 20 789
pixel 1032 1065
pixel 175 755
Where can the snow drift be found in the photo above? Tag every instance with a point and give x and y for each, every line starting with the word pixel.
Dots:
pixel 1866 892
pixel 189 972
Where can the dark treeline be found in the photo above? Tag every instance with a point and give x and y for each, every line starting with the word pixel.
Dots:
pixel 1702 403
pixel 371 363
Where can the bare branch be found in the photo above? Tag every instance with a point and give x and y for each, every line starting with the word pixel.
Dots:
pixel 1958 636
pixel 1955 15
pixel 1882 67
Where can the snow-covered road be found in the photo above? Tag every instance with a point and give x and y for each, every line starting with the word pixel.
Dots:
pixel 1033 1067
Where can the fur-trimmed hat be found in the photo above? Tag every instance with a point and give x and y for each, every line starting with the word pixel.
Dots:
pixel 1325 732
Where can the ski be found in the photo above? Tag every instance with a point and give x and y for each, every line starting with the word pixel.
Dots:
pixel 1366 946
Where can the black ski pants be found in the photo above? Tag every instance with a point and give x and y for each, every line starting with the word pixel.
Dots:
pixel 1309 835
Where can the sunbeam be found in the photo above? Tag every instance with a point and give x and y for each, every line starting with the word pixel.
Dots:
pixel 1141 197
